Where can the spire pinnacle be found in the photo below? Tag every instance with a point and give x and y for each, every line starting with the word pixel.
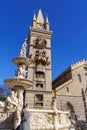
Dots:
pixel 47 21
pixel 40 18
pixel 34 18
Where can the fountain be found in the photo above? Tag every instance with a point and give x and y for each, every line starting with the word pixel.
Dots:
pixel 13 106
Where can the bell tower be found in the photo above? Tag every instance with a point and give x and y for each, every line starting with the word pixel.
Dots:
pixel 39 96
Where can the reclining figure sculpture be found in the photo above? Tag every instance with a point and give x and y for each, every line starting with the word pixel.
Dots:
pixel 14 102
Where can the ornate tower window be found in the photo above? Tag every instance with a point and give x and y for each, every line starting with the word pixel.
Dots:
pixel 40 76
pixel 43 54
pixel 39 86
pixel 37 53
pixel 38 100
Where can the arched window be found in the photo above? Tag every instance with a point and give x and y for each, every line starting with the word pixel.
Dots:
pixel 37 53
pixel 67 89
pixel 79 78
pixel 43 54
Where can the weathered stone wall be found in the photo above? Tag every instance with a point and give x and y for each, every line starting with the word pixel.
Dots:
pixel 74 104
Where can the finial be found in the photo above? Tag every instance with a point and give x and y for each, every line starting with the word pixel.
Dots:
pixel 47 21
pixel 23 49
pixel 34 18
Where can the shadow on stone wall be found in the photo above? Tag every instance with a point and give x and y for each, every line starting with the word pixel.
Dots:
pixel 6 121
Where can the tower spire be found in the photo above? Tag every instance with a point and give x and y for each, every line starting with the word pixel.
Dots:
pixel 40 18
pixel 47 23
pixel 34 21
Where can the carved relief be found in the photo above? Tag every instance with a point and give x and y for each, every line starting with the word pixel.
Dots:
pixel 46 120
pixel 41 120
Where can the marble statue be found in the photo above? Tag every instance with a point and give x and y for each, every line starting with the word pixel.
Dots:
pixel 21 72
pixel 23 49
pixel 54 105
pixel 11 101
pixel 14 102
pixel 18 111
pixel 61 118
pixel 17 117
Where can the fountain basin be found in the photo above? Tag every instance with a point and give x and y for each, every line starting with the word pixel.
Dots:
pixel 21 60
pixel 18 82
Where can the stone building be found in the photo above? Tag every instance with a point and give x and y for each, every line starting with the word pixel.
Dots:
pixel 70 89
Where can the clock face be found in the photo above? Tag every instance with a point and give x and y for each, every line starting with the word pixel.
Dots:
pixel 40 27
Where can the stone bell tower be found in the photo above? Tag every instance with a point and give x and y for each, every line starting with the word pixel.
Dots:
pixel 39 71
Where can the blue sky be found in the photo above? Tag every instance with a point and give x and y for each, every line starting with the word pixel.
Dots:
pixel 68 21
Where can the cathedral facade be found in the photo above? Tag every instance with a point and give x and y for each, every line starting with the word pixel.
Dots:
pixel 70 89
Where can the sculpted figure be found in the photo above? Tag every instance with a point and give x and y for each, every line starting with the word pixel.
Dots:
pixel 17 117
pixel 21 73
pixel 20 97
pixel 32 58
pixel 64 119
pixel 48 60
pixel 11 101
pixel 40 40
pixel 14 102
pixel 54 105
pixel 23 49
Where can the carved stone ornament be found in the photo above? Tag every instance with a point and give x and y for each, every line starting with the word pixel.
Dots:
pixel 23 49
pixel 41 120
pixel 40 58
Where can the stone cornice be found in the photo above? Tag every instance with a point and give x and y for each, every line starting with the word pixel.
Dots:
pixel 35 32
